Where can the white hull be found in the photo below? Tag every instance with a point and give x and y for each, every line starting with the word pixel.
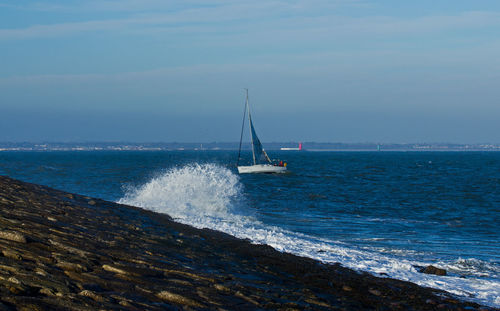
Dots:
pixel 261 168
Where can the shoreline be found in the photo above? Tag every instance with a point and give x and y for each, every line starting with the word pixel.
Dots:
pixel 62 251
pixel 226 146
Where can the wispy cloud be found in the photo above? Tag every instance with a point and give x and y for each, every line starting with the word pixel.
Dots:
pixel 160 5
pixel 185 17
pixel 291 19
pixel 424 24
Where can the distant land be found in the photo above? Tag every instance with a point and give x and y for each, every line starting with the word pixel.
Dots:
pixel 308 146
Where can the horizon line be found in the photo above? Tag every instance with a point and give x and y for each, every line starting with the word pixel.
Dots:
pixel 236 142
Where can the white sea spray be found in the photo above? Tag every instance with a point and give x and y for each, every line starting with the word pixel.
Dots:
pixel 211 196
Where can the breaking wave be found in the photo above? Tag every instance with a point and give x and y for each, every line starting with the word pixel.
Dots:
pixel 212 196
pixel 190 194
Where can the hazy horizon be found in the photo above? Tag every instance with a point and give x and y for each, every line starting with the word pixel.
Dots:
pixel 346 71
pixel 245 142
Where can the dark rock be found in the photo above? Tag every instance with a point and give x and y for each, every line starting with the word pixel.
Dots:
pixel 178 299
pixel 13 236
pixel 91 294
pixel 70 266
pixel 433 270
pixel 346 288
pixel 11 254
pixel 93 287
pixel 61 251
pixel 4 307
pixel 375 292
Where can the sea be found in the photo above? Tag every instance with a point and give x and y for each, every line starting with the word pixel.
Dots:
pixel 386 213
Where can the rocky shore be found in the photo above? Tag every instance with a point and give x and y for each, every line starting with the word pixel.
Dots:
pixel 62 251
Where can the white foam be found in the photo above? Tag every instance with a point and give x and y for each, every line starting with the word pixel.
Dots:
pixel 191 193
pixel 211 196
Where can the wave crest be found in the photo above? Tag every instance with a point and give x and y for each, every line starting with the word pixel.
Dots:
pixel 190 192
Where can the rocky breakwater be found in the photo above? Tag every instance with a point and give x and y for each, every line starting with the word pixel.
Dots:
pixel 62 251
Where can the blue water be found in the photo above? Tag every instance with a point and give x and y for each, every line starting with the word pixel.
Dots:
pixel 382 212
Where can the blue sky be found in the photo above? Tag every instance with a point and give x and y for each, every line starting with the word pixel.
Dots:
pixel 333 71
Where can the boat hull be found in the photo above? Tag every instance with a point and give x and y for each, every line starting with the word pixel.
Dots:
pixel 261 168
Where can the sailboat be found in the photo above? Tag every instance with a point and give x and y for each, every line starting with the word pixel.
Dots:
pixel 261 161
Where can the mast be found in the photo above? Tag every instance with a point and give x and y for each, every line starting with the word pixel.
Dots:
pixel 250 127
pixel 242 126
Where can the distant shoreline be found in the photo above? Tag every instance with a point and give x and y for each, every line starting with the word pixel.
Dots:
pixel 275 146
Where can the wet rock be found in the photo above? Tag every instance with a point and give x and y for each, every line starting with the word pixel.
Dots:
pixel 178 299
pixel 180 282
pixel 91 294
pixel 222 288
pixel 14 280
pixel 11 254
pixel 47 291
pixel 8 268
pixel 114 269
pixel 317 302
pixel 56 253
pixel 69 266
pixel 374 292
pixel 247 298
pixel 13 236
pixel 4 307
pixel 433 270
pixel 69 248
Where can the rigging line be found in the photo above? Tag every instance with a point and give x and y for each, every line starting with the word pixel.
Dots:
pixel 242 126
pixel 252 131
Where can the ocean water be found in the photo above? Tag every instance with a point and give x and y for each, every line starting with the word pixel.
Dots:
pixel 387 213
